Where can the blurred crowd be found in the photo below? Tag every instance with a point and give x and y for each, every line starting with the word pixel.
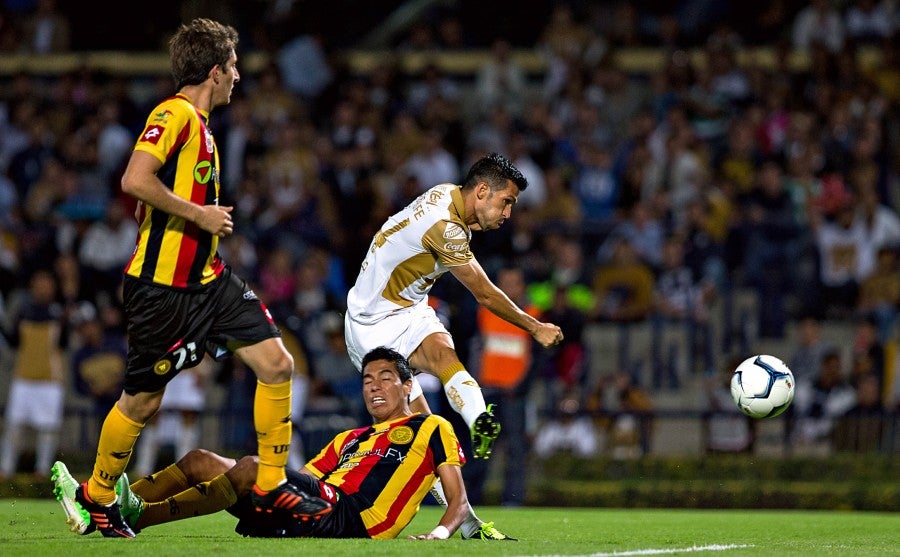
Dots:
pixel 653 195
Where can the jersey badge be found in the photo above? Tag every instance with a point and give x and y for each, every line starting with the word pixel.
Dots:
pixel 401 435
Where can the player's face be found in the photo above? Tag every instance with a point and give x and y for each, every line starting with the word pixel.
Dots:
pixel 227 76
pixel 492 208
pixel 383 391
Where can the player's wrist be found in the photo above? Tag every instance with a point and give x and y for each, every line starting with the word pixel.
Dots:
pixel 440 532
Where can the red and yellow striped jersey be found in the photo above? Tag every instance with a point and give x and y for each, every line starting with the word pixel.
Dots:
pixel 170 250
pixel 390 467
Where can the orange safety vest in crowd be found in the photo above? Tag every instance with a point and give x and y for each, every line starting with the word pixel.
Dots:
pixel 506 350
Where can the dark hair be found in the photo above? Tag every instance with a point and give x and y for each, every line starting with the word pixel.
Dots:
pixel 197 47
pixel 495 170
pixel 384 353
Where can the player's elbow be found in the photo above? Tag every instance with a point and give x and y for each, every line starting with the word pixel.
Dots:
pixel 129 185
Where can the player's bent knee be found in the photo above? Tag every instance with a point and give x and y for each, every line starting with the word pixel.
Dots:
pixel 200 465
pixel 243 475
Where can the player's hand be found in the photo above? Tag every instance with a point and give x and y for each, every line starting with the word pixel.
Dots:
pixel 216 220
pixel 548 335
pixel 424 537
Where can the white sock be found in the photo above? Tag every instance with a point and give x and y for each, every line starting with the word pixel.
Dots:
pixel 471 524
pixel 296 460
pixel 147 450
pixel 9 451
pixel 45 450
pixel 188 437
pixel 464 395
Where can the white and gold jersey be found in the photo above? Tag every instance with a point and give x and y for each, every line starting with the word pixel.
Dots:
pixel 413 248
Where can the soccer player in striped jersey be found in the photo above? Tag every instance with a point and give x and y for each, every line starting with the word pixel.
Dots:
pixel 376 476
pixel 180 297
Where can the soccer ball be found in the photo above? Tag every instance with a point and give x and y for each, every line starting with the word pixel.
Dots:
pixel 762 386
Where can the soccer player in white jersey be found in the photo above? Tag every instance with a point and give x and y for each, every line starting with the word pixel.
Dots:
pixel 388 305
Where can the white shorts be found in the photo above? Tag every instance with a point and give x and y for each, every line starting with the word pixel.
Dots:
pixel 403 331
pixel 38 404
pixel 184 393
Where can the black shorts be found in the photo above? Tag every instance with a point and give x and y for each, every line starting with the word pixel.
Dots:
pixel 170 329
pixel 342 522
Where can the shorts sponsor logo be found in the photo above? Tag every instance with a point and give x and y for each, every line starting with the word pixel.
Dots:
pixel 401 435
pixel 250 295
pixel 162 367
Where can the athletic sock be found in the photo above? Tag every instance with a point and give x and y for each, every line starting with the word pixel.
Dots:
pixel 117 439
pixel 156 487
pixel 463 392
pixel 204 498
pixel 272 418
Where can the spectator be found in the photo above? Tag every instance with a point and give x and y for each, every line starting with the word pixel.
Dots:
pixel 625 413
pixel 178 419
pixel 107 246
pixel 597 191
pixel 868 22
pixel 431 84
pixel 334 375
pixel 820 401
pixel 879 293
pixel 46 30
pixel 504 371
pixel 432 163
pixel 727 429
pixel 643 230
pixel 809 349
pixel 680 305
pixel 277 279
pixel 846 257
pixel 569 430
pixel 304 65
pixel 773 248
pixel 623 287
pixel 880 221
pixel 300 395
pixel 561 208
pixel 501 81
pixel 98 360
pixel 864 426
pixel 271 102
pixel 868 352
pixel 818 22
pixel 518 152
pixel 37 389
pixel 114 140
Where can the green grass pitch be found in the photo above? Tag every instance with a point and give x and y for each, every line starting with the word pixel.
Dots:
pixel 34 528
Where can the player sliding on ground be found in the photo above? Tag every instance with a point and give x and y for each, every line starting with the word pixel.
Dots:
pixel 375 476
pixel 388 304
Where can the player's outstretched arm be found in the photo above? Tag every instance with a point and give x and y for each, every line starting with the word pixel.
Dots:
pixel 457 504
pixel 474 278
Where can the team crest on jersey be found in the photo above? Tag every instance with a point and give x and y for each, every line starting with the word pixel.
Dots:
pixel 401 435
pixel 209 141
pixel 454 232
pixel 152 134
